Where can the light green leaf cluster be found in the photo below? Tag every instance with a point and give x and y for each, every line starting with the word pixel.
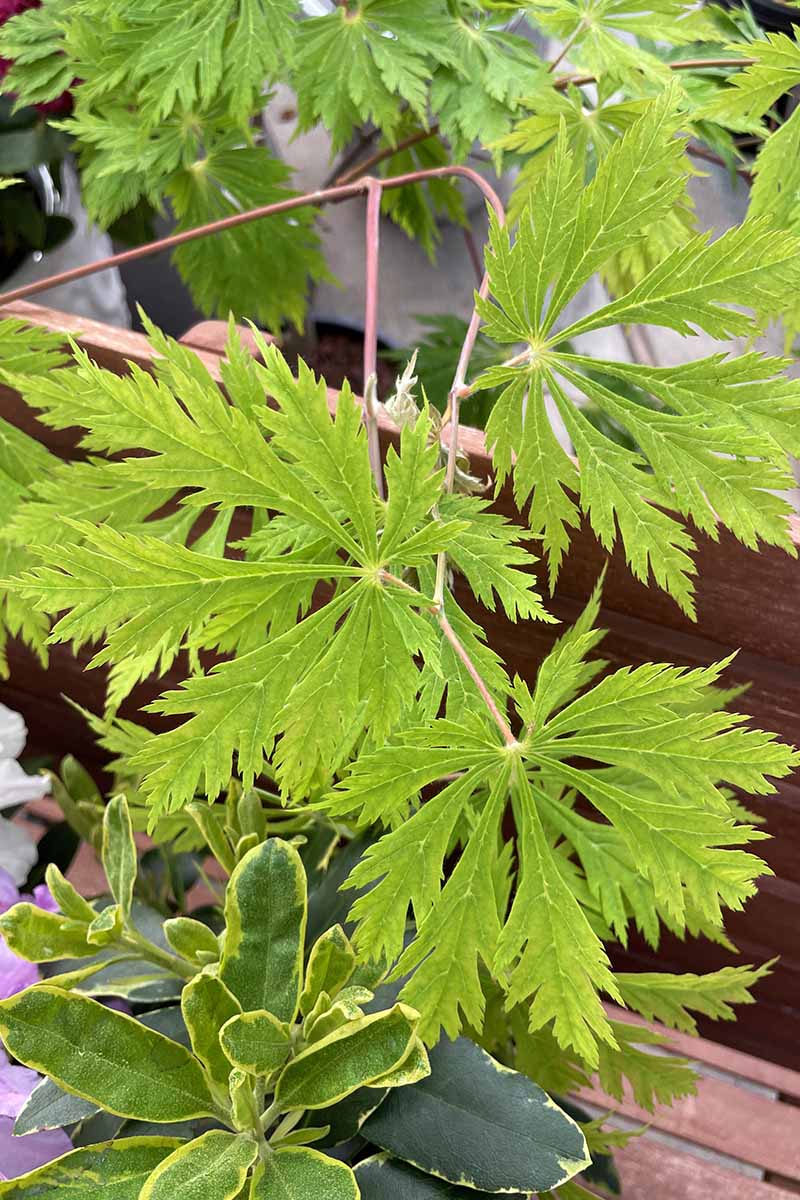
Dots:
pixel 775 70
pixel 744 105
pixel 376 60
pixel 34 43
pixel 364 63
pixel 321 683
pixel 591 132
pixel 24 462
pixel 370 683
pixel 703 448
pixel 592 29
pixel 667 847
pixel 164 95
pixel 494 74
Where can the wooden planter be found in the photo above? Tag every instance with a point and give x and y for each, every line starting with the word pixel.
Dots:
pixel 746 601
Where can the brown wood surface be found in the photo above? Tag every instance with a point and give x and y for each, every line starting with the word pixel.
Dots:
pixel 650 1171
pixel 724 1117
pixel 746 601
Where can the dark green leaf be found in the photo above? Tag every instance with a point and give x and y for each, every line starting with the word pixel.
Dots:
pixel 385 1178
pixel 503 1132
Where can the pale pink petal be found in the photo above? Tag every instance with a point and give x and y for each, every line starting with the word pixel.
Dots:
pixel 17 852
pixel 17 787
pixel 13 733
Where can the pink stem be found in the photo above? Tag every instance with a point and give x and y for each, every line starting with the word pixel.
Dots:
pixel 499 719
pixel 373 237
pixel 331 195
pixel 472 251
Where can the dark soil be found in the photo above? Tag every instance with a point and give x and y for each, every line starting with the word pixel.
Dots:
pixel 337 355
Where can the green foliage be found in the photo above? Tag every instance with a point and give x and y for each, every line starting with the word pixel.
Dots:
pixel 480 1101
pixel 249 1074
pixel 774 71
pixel 23 462
pixel 361 64
pixel 226 272
pixel 506 834
pixel 367 701
pixel 167 100
pixel 702 449
pixel 298 1172
pixel 33 42
pixel 315 472
pixel 661 753
pixel 110 1171
pixel 591 29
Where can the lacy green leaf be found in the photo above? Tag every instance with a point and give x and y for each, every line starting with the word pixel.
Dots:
pixel 366 63
pixel 673 999
pixel 701 444
pixel 224 271
pixel 757 86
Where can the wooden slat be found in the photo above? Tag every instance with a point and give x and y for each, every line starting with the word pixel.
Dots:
pixel 212 335
pixel 107 345
pixel 650 1171
pixel 726 1118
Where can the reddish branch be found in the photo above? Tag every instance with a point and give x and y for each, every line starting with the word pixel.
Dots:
pixel 373 234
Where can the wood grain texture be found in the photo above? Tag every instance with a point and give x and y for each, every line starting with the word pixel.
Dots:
pixel 723 1117
pixel 650 1171
pixel 746 602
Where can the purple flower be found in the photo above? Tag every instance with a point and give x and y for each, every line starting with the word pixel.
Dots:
pixel 18 1155
pixel 43 899
pixel 16 973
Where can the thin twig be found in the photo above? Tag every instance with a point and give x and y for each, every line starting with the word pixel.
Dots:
pixel 499 719
pixel 453 406
pixel 455 642
pixel 373 234
pixel 685 64
pixel 565 49
pixel 380 156
pixel 709 156
pixel 352 156
pixel 333 195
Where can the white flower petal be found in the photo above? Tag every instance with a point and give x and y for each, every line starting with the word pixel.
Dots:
pixel 13 733
pixel 17 852
pixel 18 788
